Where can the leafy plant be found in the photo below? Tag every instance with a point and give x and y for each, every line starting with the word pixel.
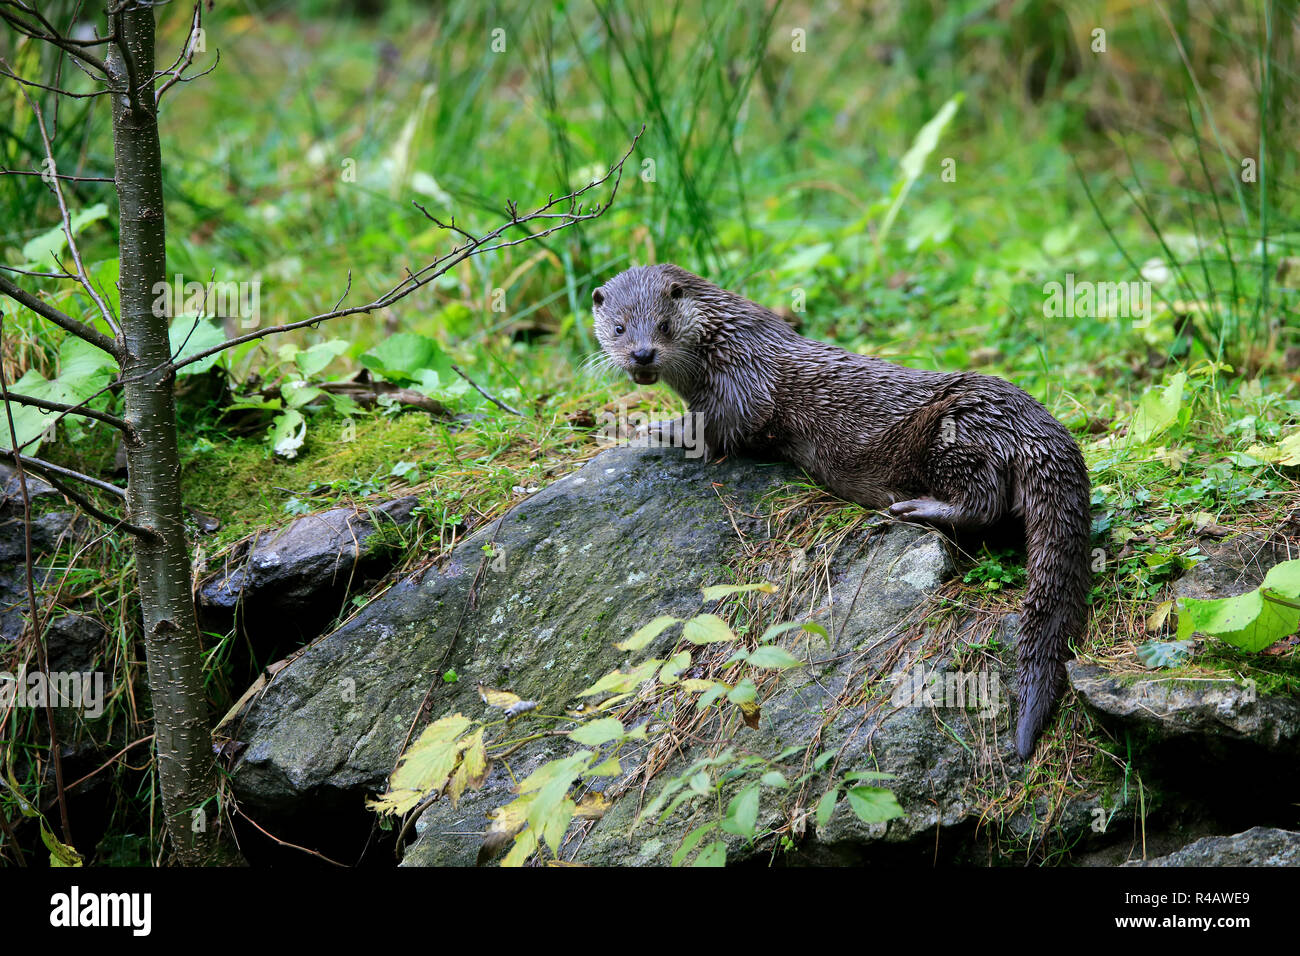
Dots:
pixel 1250 621
pixel 454 753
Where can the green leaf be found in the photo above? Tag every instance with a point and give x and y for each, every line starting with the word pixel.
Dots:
pixel 773 658
pixel 707 629
pixel 314 360
pixel 623 682
pixel 401 358
pixel 197 335
pixel 744 692
pixel 1157 410
pixel 826 806
pixel 742 813
pixel 913 161
pixel 691 841
pixel 598 732
pixel 874 804
pixel 288 432
pixel 715 854
pixel 83 371
pixel 1164 653
pixel 774 778
pixel 648 633
pixel 41 250
pixel 715 591
pixel 1251 621
pixel 675 665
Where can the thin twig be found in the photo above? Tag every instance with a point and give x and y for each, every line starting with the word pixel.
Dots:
pixel 82 276
pixel 439 266
pixel 66 322
pixel 495 401
pixel 42 403
pixel 37 465
pixel 42 659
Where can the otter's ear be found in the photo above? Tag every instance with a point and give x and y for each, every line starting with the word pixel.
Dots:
pixel 675 291
pixel 598 298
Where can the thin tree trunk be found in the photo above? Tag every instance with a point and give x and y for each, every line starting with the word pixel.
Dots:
pixel 186 768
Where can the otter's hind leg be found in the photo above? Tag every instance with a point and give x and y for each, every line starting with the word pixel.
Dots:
pixel 934 511
pixel 967 490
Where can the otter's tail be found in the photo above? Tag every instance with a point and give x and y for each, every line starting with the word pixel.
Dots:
pixel 1055 501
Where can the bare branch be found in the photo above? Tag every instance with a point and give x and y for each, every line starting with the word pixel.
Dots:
pixel 33 619
pixel 88 506
pixel 53 89
pixel 45 175
pixel 77 48
pixel 82 276
pixel 65 322
pixel 45 469
pixel 186 58
pixel 473 246
pixel 38 275
pixel 107 419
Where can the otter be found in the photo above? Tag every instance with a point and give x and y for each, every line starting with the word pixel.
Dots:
pixel 962 451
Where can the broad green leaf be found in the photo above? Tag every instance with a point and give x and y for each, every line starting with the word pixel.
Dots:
pixel 826 806
pixel 425 766
pixel 403 356
pixel 288 432
pixel 606 768
pixel 742 813
pixel 623 682
pixel 744 692
pixel 707 629
pixel 196 335
pixel 312 361
pixel 598 732
pixel 772 657
pixel 1157 410
pixel 675 665
pixel 691 841
pixel 1164 653
pixel 41 250
pixel 874 804
pixel 648 633
pixel 1251 621
pixel 715 854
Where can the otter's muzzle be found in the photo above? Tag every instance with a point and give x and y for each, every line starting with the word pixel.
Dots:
pixel 644 372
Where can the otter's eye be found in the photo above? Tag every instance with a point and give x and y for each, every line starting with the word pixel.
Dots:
pixel 598 298
pixel 619 329
pixel 664 327
pixel 675 292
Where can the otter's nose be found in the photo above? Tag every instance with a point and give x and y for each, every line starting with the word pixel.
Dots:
pixel 643 356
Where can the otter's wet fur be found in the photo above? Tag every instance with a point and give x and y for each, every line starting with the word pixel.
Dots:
pixel 961 450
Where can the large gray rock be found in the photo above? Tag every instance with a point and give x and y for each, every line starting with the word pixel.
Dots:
pixel 572 569
pixel 1217 713
pixel 534 603
pixel 1259 846
pixel 303 564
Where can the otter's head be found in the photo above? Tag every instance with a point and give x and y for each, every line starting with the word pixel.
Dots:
pixel 647 323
